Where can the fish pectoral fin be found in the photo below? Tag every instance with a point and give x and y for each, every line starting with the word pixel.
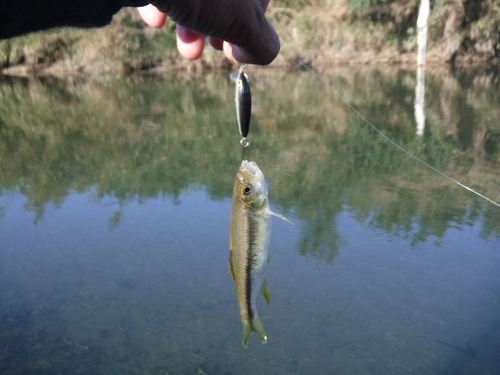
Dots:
pixel 254 325
pixel 265 292
pixel 280 216
pixel 231 267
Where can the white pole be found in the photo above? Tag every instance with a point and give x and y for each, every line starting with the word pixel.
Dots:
pixel 419 100
pixel 423 16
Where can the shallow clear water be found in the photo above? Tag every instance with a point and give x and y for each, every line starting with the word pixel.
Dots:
pixel 115 203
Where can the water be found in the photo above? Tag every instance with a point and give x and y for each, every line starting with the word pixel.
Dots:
pixel 114 226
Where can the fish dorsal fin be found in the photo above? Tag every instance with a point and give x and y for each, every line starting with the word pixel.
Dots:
pixel 265 292
pixel 231 267
pixel 280 216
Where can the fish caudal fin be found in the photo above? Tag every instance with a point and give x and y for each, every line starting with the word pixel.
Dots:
pixel 254 325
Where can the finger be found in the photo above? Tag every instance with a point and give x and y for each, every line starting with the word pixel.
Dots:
pixel 228 51
pixel 216 43
pixel 189 43
pixel 241 23
pixel 262 54
pixel 269 48
pixel 152 16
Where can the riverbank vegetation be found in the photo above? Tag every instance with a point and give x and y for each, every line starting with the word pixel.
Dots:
pixel 319 32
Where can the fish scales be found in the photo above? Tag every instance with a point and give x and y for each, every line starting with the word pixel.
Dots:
pixel 249 244
pixel 254 241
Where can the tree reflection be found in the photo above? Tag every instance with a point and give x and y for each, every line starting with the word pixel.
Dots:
pixel 155 137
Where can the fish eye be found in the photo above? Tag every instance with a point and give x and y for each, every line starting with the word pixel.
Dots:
pixel 247 189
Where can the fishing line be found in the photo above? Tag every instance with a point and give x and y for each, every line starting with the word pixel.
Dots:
pixel 304 65
pixel 243 153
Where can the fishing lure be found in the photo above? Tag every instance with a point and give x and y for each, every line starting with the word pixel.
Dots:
pixel 243 99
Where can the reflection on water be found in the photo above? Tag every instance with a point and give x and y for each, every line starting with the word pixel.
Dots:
pixel 114 220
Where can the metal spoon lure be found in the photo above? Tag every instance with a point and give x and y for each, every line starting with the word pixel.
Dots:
pixel 243 99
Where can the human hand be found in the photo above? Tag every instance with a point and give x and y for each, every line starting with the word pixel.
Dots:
pixel 238 27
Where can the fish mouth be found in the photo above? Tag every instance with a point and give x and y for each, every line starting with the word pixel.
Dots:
pixel 250 167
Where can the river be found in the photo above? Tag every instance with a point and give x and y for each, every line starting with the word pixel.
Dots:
pixel 115 199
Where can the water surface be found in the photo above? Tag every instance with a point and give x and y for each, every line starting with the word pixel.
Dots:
pixel 115 203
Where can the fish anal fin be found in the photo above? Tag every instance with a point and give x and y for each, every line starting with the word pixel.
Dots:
pixel 265 292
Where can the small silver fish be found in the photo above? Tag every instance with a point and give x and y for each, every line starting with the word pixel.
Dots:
pixel 249 244
pixel 243 99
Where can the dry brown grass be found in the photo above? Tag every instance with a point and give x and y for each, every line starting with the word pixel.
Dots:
pixel 322 32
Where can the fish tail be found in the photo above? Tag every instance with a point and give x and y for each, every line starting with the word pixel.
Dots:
pixel 256 326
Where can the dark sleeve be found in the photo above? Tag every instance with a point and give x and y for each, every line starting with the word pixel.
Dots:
pixel 23 16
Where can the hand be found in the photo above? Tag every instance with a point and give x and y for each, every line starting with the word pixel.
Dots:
pixel 238 27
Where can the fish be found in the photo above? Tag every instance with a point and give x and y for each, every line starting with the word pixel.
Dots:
pixel 249 245
pixel 243 99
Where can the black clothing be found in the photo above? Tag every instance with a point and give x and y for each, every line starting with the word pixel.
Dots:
pixel 19 17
